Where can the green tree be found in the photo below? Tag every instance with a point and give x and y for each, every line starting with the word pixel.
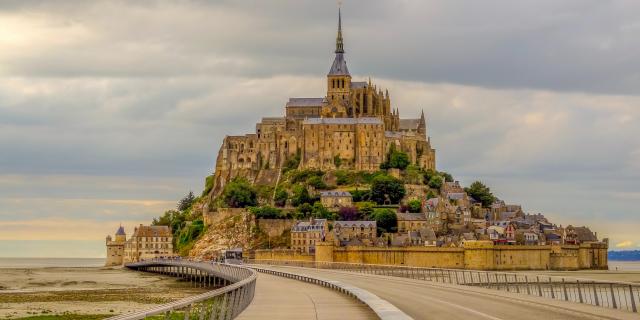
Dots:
pixel 320 212
pixel 386 219
pixel 186 202
pixel 415 206
pixel 480 192
pixel 431 195
pixel 281 197
pixel 239 193
pixel 399 160
pixel 305 209
pixel 365 209
pixel 447 176
pixel 360 195
pixel 300 195
pixel 435 181
pixel 316 182
pixel 385 188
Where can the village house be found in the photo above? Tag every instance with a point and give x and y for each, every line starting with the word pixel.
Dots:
pixel 334 200
pixel 363 231
pixel 305 234
pixel 148 242
pixel 408 221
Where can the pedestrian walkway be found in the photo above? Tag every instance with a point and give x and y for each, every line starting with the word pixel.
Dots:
pixel 282 298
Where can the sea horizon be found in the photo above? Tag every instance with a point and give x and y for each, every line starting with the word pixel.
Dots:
pixel 90 262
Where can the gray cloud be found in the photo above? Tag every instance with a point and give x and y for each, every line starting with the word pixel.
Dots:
pixel 113 100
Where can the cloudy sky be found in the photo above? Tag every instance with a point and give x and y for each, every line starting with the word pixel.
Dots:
pixel 110 111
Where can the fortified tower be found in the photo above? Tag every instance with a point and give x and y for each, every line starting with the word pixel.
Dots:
pixel 115 249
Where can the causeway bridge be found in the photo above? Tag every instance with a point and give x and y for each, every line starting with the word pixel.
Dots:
pixel 264 289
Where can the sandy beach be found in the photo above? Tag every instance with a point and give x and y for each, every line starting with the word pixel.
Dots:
pixel 88 291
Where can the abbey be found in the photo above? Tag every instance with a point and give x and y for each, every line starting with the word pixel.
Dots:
pixel 352 127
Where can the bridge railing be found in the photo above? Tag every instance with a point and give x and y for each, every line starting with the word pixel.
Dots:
pixel 616 295
pixel 221 303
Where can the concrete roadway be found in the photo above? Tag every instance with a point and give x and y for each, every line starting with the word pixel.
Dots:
pixel 283 298
pixel 427 300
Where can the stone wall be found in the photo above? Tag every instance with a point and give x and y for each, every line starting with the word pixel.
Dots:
pixel 275 227
pixel 284 255
pixel 220 214
pixel 431 257
pixel 477 255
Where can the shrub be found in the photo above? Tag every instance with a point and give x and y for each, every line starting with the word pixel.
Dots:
pixel 413 175
pixel 316 182
pixel 239 193
pixel 266 212
pixel 320 212
pixel 208 185
pixel 344 178
pixel 435 182
pixel 337 161
pixel 292 163
pixel 360 195
pixel 365 209
pixel 415 206
pixel 281 197
pixel 300 195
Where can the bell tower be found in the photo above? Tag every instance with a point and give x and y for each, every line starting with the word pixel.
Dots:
pixel 339 79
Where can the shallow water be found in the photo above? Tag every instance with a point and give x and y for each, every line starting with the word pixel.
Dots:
pixel 50 262
pixel 624 265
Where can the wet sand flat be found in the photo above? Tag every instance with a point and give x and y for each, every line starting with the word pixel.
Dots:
pixel 26 292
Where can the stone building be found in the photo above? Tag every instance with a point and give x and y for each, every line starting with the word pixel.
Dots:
pixel 334 200
pixel 305 234
pixel 408 221
pixel 148 242
pixel 352 126
pixel 115 248
pixel 363 231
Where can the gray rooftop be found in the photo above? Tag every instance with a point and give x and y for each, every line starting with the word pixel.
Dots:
pixel 335 194
pixel 359 84
pixel 366 120
pixel 409 124
pixel 410 216
pixel 305 102
pixel 354 223
pixel 339 66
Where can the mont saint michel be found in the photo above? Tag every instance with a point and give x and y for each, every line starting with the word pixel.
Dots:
pixel 350 127
pixel 300 160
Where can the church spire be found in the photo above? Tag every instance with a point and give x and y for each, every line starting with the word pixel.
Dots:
pixel 339 66
pixel 339 41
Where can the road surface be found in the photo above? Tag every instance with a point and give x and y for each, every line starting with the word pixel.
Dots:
pixel 426 300
pixel 283 298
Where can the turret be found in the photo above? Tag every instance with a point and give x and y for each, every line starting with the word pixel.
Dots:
pixel 422 125
pixel 121 236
